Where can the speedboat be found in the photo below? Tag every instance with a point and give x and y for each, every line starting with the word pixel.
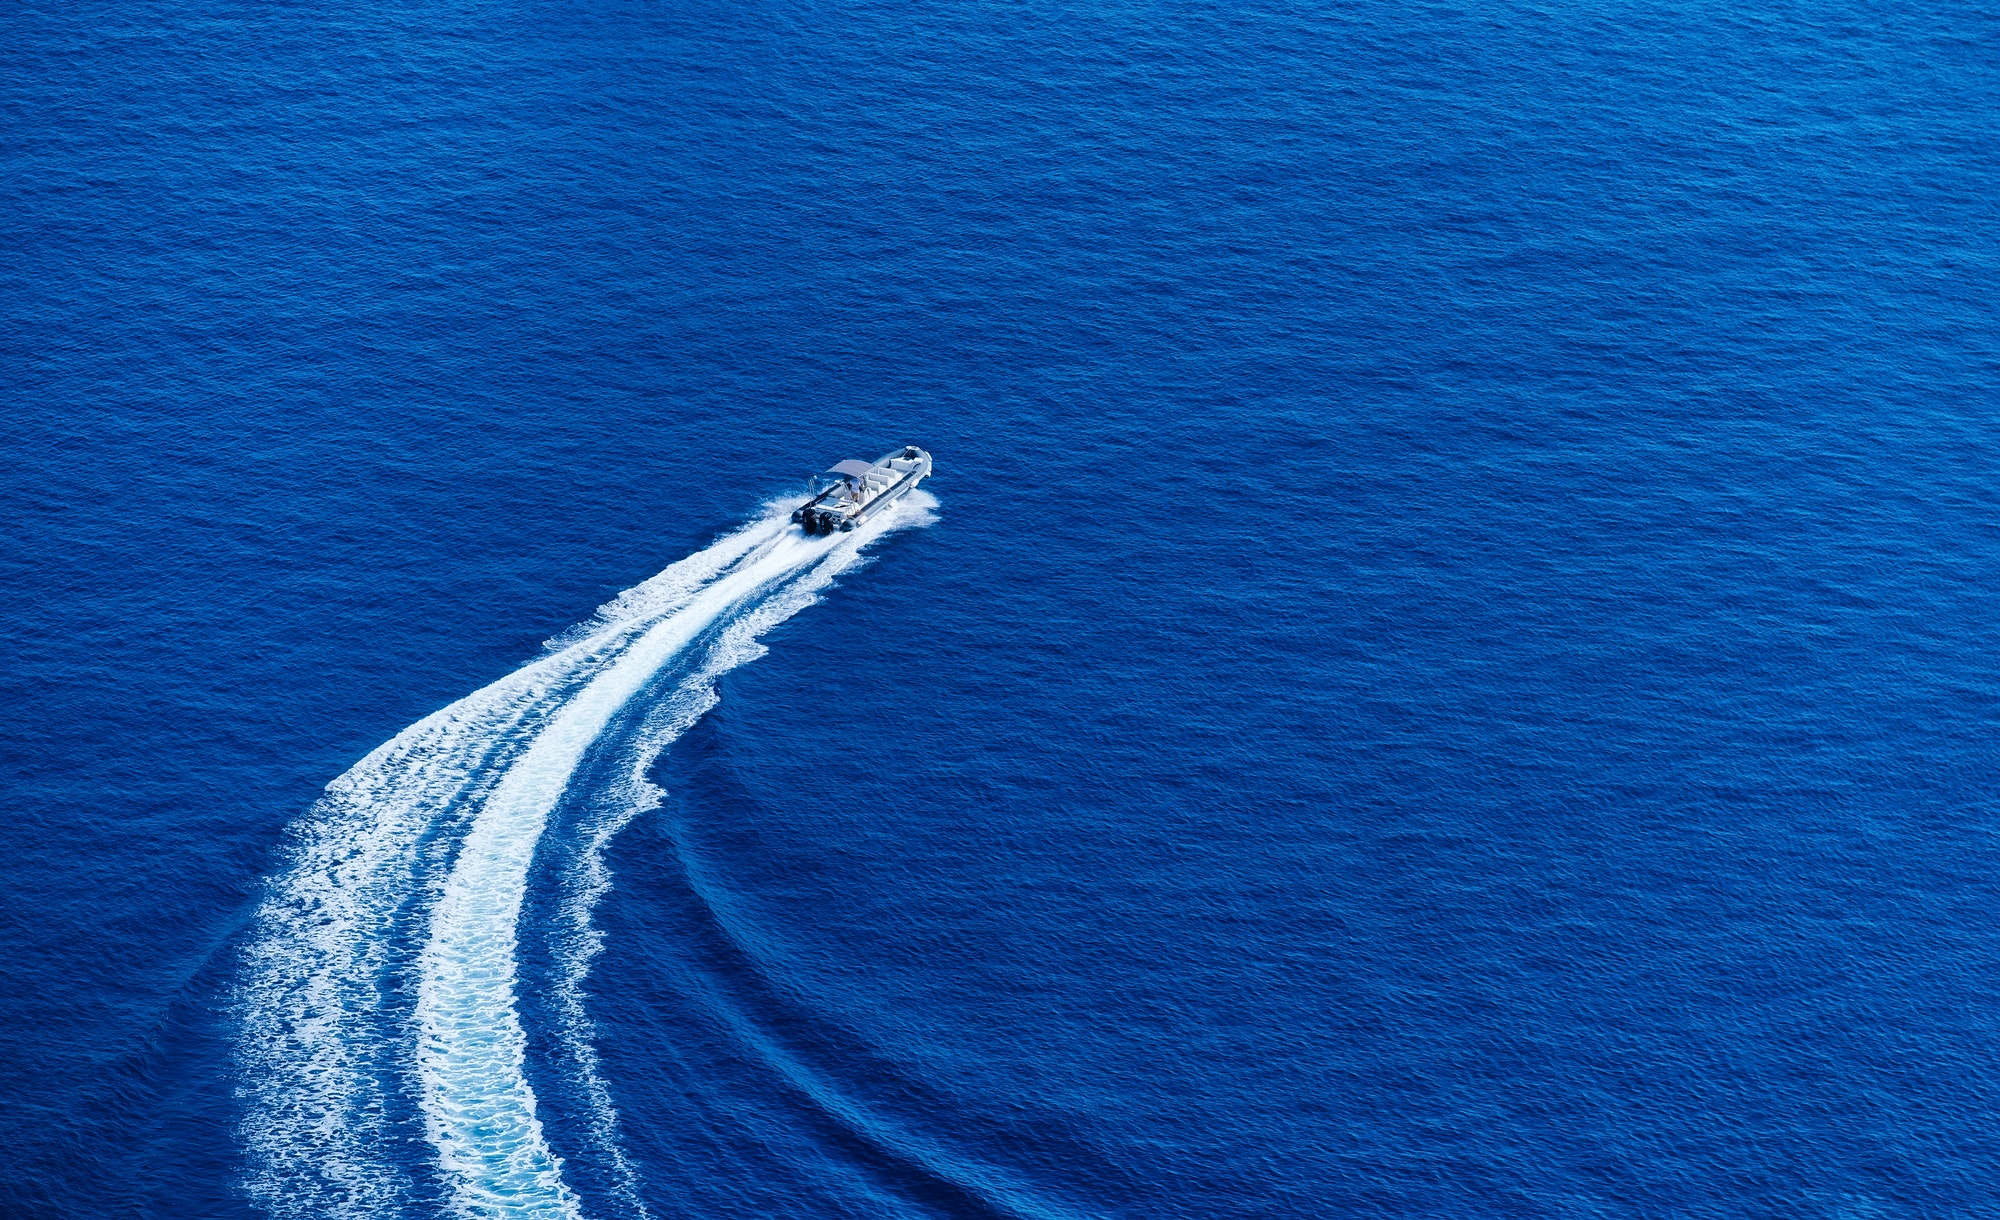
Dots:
pixel 852 491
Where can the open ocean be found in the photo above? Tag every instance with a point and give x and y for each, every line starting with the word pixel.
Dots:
pixel 1448 667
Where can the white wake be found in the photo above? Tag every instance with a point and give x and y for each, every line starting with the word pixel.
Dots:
pixel 325 1052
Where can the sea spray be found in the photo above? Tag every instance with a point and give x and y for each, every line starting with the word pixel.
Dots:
pixel 578 942
pixel 478 1107
pixel 316 1059
pixel 321 1054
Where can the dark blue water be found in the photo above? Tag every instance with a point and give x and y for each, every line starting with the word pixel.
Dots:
pixel 1450 674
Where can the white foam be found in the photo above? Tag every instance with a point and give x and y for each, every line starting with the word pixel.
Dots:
pixel 312 1055
pixel 673 585
pixel 320 1063
pixel 478 1105
pixel 582 942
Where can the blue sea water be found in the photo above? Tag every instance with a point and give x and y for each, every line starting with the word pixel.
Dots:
pixel 1449 671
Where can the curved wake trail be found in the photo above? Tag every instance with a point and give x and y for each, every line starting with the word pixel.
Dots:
pixel 579 942
pixel 325 1050
pixel 479 1110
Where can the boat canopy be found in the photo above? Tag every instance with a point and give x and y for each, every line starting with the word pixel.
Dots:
pixel 844 496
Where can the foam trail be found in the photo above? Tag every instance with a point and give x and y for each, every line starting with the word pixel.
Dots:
pixel 678 582
pixel 580 943
pixel 311 1051
pixel 478 1107
pixel 320 1052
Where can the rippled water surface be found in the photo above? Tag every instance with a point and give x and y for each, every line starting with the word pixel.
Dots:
pixel 1446 669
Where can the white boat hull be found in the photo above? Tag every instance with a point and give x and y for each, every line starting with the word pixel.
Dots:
pixel 852 492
